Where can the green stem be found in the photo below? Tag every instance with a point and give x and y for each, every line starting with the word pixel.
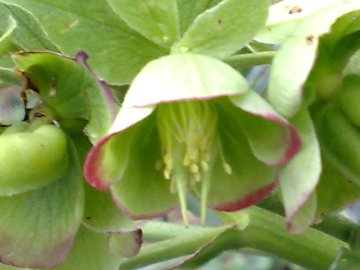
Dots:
pixel 241 61
pixel 265 232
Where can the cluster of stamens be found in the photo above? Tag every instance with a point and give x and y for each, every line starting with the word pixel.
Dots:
pixel 188 137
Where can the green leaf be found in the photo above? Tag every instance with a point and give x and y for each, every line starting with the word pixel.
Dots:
pixel 69 88
pixel 90 252
pixel 116 52
pixel 6 44
pixel 293 63
pixel 224 29
pixel 37 227
pixel 299 177
pixel 28 34
pixel 188 10
pixel 156 20
pixel 101 214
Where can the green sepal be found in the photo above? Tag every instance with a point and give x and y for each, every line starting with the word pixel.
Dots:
pixel 299 177
pixel 152 190
pixel 101 214
pixel 89 252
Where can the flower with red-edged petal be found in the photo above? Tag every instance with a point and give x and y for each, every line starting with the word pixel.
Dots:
pixel 190 124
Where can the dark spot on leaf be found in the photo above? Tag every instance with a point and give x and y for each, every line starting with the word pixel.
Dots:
pixel 88 217
pixel 295 9
pixel 219 22
pixel 310 40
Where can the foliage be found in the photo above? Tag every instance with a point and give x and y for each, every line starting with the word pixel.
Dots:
pixel 113 112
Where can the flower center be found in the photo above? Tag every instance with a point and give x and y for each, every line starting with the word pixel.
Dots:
pixel 188 136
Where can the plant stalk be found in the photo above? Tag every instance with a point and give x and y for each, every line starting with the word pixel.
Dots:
pixel 265 232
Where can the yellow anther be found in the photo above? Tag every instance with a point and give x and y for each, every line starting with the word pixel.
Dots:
pixel 194 169
pixel 167 174
pixel 204 166
pixel 227 168
pixel 187 160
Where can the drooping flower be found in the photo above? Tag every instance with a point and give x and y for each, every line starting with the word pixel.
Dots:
pixel 190 124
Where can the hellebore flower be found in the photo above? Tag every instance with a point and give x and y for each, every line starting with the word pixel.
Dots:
pixel 190 124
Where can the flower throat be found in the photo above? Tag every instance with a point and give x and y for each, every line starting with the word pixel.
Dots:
pixel 188 136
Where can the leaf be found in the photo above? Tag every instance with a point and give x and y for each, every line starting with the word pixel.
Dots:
pixel 28 34
pixel 69 88
pixel 102 216
pixel 6 44
pixel 90 252
pixel 116 52
pixel 224 29
pixel 299 177
pixel 188 10
pixel 37 228
pixel 294 61
pixel 156 20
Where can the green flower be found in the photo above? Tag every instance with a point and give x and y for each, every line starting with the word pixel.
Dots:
pixel 190 124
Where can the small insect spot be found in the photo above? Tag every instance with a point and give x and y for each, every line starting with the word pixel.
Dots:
pixel 310 40
pixel 295 9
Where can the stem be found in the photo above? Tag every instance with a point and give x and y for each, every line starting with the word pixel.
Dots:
pixel 335 225
pixel 265 232
pixel 241 61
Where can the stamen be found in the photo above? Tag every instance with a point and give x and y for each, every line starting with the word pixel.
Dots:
pixel 227 168
pixel 187 132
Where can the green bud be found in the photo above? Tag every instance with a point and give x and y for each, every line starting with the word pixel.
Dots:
pixel 31 159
